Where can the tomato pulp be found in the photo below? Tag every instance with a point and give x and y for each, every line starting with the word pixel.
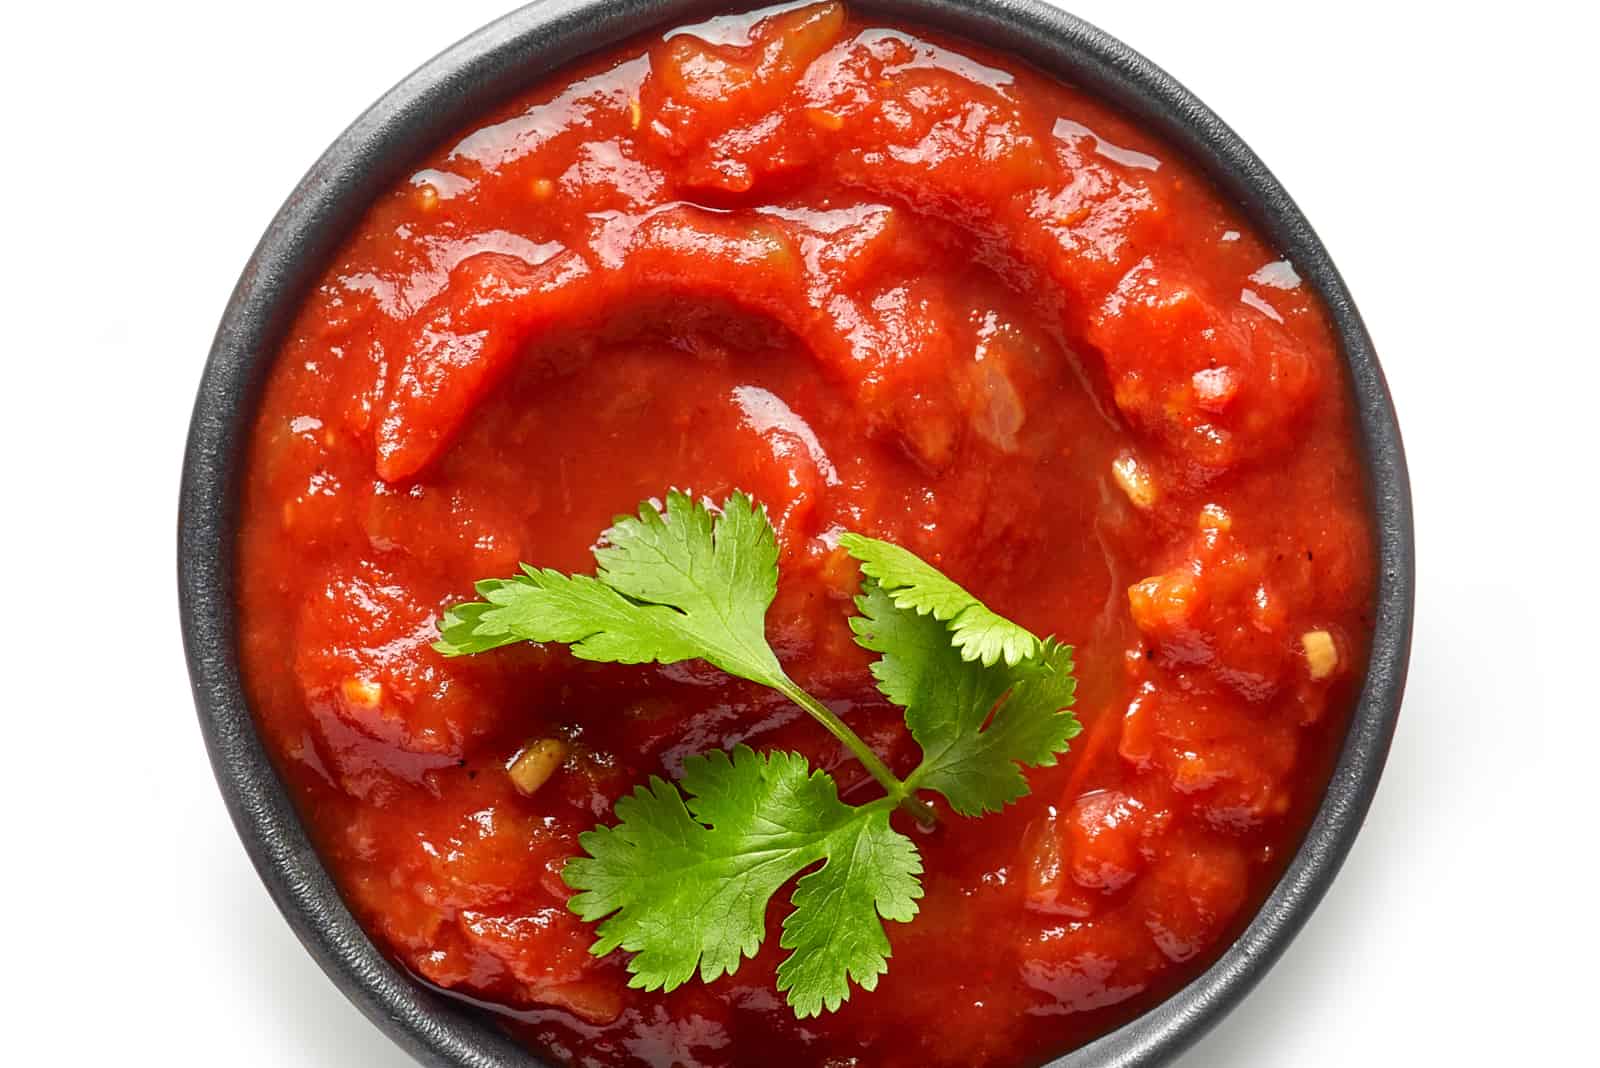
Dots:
pixel 884 281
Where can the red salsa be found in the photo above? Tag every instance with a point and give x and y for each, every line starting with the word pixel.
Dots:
pixel 884 281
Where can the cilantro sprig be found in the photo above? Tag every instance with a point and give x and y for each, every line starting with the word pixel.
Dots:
pixel 682 881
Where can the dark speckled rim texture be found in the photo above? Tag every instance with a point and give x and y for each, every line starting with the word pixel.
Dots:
pixel 442 96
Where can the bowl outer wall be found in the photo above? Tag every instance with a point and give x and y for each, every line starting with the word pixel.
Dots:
pixel 461 83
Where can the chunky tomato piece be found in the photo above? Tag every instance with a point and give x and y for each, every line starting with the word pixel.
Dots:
pixel 1221 383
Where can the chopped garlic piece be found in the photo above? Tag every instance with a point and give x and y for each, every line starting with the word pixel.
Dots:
pixel 1134 480
pixel 1321 654
pixel 533 766
pixel 635 113
pixel 361 693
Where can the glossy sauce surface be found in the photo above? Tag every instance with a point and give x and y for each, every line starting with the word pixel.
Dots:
pixel 884 281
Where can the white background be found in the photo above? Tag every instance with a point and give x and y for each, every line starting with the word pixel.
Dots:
pixel 1447 159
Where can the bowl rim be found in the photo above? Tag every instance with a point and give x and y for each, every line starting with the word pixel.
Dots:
pixel 513 53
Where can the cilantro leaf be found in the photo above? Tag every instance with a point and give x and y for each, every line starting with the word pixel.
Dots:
pixel 675 583
pixel 976 722
pixel 685 885
pixel 913 583
pixel 541 605
pixel 834 930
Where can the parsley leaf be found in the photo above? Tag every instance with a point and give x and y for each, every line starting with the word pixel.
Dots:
pixel 975 722
pixel 673 584
pixel 684 885
pixel 916 584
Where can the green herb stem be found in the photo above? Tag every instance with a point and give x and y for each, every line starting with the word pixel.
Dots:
pixel 898 791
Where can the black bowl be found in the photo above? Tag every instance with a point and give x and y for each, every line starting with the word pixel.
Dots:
pixel 461 84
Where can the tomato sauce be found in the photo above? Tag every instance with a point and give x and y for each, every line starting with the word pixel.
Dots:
pixel 885 281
